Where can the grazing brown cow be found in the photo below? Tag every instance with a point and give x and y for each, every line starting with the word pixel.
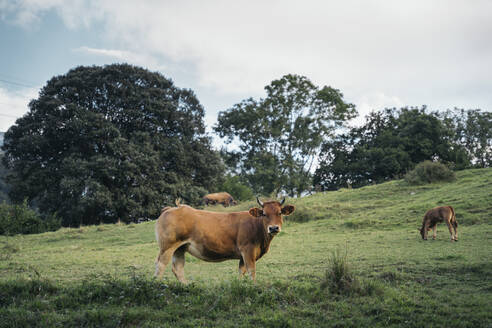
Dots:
pixel 215 237
pixel 436 215
pixel 223 198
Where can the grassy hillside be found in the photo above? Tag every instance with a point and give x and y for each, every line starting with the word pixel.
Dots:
pixel 102 275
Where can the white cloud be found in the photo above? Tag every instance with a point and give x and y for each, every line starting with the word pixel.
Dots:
pixel 14 105
pixel 376 101
pixel 125 56
pixel 433 52
pixel 29 13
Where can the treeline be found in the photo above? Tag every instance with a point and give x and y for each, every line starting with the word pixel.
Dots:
pixel 117 143
pixel 391 142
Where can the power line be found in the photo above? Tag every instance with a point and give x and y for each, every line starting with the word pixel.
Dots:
pixel 18 84
pixel 15 78
pixel 11 105
pixel 7 115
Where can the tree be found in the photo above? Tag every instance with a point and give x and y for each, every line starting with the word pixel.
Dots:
pixel 238 190
pixel 4 188
pixel 389 144
pixel 478 137
pixel 280 136
pixel 102 144
pixel 473 131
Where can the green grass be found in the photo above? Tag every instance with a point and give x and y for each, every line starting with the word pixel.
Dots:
pixel 101 276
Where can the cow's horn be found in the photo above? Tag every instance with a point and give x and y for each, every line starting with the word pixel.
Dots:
pixel 282 202
pixel 259 202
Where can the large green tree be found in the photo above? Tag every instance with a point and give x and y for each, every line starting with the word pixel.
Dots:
pixel 280 136
pixel 102 144
pixel 390 143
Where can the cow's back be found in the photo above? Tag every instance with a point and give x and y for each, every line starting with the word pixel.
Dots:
pixel 439 214
pixel 219 196
pixel 185 222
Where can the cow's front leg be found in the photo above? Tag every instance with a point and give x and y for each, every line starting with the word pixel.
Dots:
pixel 426 228
pixel 242 267
pixel 434 229
pixel 250 263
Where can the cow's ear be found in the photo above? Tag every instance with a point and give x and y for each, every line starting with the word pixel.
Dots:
pixel 287 209
pixel 256 212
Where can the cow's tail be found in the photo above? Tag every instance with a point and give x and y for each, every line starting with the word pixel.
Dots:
pixel 453 217
pixel 165 209
pixel 157 271
pixel 177 202
pixel 157 235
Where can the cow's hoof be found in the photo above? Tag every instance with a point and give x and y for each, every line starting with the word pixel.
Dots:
pixel 456 240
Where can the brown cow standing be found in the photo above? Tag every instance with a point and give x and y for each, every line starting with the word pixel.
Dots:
pixel 223 198
pixel 215 237
pixel 436 215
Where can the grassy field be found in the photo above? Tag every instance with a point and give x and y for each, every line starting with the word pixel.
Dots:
pixel 101 276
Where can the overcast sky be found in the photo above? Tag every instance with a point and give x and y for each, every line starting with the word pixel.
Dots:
pixel 378 53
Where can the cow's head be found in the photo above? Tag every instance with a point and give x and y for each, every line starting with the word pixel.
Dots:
pixel 422 231
pixel 272 212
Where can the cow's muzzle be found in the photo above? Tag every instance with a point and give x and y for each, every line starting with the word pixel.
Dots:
pixel 273 229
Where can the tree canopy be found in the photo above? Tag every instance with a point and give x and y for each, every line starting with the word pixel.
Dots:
pixel 280 136
pixel 389 144
pixel 472 131
pixel 102 144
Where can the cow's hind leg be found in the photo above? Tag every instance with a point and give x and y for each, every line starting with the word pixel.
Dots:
pixel 163 260
pixel 178 264
pixel 455 226
pixel 450 230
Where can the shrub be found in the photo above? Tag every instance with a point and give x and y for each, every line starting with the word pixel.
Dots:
pixel 429 172
pixel 52 222
pixel 21 219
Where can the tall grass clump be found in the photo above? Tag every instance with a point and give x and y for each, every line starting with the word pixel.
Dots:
pixel 429 172
pixel 7 249
pixel 339 278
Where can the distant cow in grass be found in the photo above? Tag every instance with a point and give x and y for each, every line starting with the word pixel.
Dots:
pixel 223 198
pixel 437 215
